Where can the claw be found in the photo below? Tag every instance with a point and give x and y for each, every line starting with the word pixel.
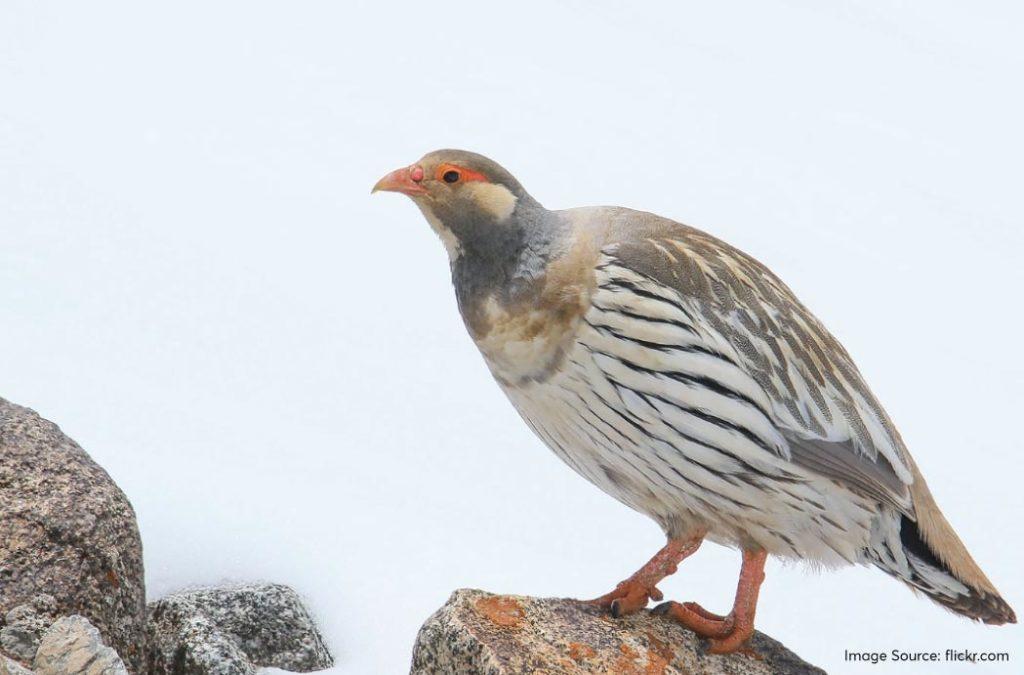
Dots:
pixel 629 597
pixel 662 609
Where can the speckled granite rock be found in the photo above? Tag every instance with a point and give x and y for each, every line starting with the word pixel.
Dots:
pixel 24 626
pixel 72 646
pixel 476 633
pixel 67 530
pixel 233 631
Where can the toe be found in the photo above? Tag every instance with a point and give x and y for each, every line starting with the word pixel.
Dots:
pixel 698 622
pixel 735 640
pixel 700 611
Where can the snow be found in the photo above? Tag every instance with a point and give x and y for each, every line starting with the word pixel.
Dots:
pixel 197 286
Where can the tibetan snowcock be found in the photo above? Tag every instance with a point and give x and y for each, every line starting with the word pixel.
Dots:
pixel 682 377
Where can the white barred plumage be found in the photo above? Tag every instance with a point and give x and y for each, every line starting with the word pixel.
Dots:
pixel 683 378
pixel 646 408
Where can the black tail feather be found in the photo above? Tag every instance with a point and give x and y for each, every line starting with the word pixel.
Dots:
pixel 927 569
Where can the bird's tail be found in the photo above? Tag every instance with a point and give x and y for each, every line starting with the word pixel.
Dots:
pixel 926 554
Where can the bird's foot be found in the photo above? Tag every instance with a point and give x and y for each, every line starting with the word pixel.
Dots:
pixel 629 597
pixel 725 634
pixel 702 622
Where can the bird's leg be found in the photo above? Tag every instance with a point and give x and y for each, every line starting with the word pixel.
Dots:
pixel 631 595
pixel 725 633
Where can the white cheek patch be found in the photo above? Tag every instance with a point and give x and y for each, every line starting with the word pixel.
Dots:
pixel 451 243
pixel 495 199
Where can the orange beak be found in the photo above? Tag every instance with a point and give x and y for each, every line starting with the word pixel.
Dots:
pixel 405 180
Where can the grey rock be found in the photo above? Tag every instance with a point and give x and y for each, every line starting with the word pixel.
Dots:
pixel 21 641
pixel 25 625
pixel 233 631
pixel 71 646
pixel 477 633
pixel 68 531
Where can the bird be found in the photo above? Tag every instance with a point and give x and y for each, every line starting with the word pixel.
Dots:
pixel 683 378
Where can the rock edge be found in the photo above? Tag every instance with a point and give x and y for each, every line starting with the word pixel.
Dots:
pixel 478 633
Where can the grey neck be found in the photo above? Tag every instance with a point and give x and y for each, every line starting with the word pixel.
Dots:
pixel 507 260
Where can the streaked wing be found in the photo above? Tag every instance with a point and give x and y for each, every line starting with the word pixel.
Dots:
pixel 757 364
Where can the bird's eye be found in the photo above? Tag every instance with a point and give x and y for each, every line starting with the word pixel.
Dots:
pixel 450 176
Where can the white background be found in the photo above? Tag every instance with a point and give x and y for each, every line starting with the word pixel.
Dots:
pixel 197 286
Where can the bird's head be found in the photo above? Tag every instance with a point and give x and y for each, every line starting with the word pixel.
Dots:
pixel 469 200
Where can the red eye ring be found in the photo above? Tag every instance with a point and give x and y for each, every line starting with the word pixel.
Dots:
pixel 453 173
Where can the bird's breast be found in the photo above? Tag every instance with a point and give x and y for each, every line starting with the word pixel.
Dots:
pixel 525 337
pixel 523 344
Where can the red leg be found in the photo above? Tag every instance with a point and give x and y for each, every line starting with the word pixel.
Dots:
pixel 729 633
pixel 631 595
